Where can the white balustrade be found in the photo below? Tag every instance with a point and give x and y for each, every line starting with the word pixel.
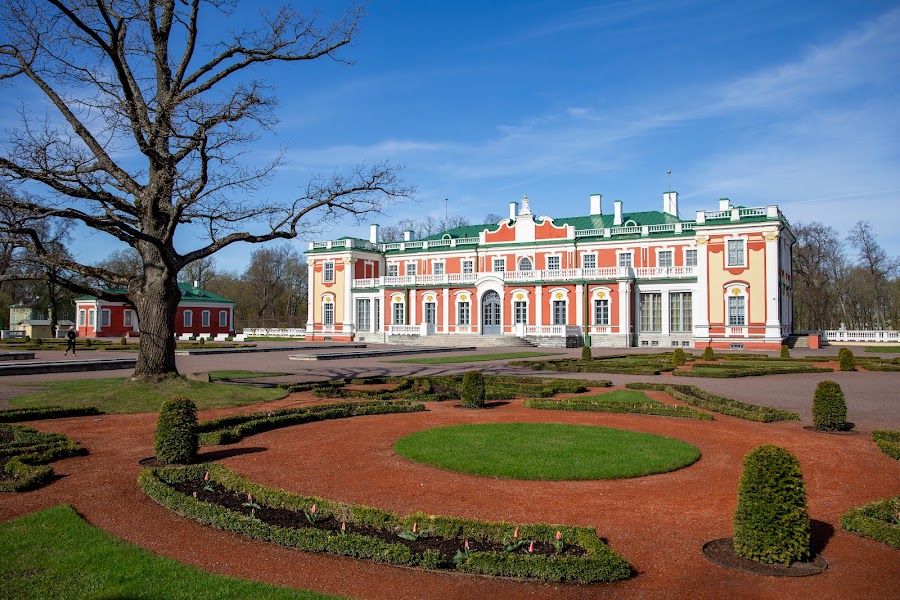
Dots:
pixel 861 335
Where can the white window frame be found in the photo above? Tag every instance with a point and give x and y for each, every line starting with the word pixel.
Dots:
pixel 688 252
pixel 522 263
pixel 601 317
pixel 393 270
pixel 105 317
pixel 681 317
pixel 499 265
pixel 437 268
pixel 92 317
pixel 463 312
pixel 650 317
pixel 588 257
pixel 363 314
pixel 468 266
pixel 187 319
pixel 729 264
pixel 622 254
pixel 205 317
pixel 670 257
pixel 128 318
pixel 398 312
pixel 730 289
pixel 411 269
pixel 555 258
pixel 223 318
pixel 328 272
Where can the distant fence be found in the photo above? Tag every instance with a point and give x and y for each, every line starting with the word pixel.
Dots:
pixel 860 335
pixel 295 332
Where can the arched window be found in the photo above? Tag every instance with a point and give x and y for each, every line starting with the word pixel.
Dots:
pixel 525 264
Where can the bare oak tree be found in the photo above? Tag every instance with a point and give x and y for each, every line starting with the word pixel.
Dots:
pixel 150 114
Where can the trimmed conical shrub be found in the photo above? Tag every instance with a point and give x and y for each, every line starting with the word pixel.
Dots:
pixel 846 360
pixel 785 351
pixel 771 523
pixel 176 438
pixel 678 357
pixel 473 393
pixel 586 353
pixel 708 353
pixel 829 407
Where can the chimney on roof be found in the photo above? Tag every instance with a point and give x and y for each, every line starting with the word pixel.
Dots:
pixel 407 235
pixel 596 206
pixel 724 204
pixel 373 233
pixel 513 208
pixel 670 203
pixel 617 218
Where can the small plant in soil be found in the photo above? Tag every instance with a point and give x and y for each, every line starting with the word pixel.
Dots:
pixel 250 503
pixel 829 407
pixel 558 543
pixel 311 515
pixel 511 544
pixel 414 533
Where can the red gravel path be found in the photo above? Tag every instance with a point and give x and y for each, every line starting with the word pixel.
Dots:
pixel 658 523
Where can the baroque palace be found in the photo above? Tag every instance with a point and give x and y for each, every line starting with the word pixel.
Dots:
pixel 641 279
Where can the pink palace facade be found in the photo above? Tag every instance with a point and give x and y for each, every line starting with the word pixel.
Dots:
pixel 616 279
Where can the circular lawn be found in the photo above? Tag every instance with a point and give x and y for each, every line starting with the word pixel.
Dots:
pixel 546 451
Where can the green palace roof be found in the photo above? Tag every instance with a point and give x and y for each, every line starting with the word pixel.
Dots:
pixel 188 294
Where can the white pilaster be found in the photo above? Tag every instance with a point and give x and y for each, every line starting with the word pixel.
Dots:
pixel 579 306
pixel 539 305
pixel 773 290
pixel 700 300
pixel 413 301
pixel 310 294
pixel 625 311
pixel 445 313
pixel 347 315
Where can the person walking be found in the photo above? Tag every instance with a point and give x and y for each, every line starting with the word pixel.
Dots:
pixel 70 340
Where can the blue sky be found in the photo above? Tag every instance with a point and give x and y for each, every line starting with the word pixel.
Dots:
pixel 788 103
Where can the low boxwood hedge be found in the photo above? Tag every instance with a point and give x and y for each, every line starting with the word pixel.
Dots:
pixel 888 441
pixel 652 366
pixel 598 563
pixel 877 520
pixel 27 455
pixel 228 430
pixel 15 415
pixel 643 408
pixel 725 370
pixel 694 396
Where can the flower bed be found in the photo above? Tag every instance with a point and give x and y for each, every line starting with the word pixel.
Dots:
pixel 216 496
pixel 879 520
pixel 228 430
pixel 24 453
pixel 694 396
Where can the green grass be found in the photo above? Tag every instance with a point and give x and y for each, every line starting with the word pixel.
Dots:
pixel 119 395
pixel 56 554
pixel 889 349
pixel 241 374
pixel 629 396
pixel 441 360
pixel 546 451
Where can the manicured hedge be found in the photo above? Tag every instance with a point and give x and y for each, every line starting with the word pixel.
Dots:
pixel 175 440
pixel 598 365
pixel 436 388
pixel 888 441
pixel 725 370
pixel 580 404
pixel 877 520
pixel 694 396
pixel 473 393
pixel 29 452
pixel 829 410
pixel 599 562
pixel 15 415
pixel 228 430
pixel 771 522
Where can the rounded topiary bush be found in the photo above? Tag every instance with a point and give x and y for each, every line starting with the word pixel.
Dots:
pixel 37 341
pixel 473 390
pixel 846 360
pixel 176 438
pixel 785 351
pixel 586 353
pixel 123 342
pixel 201 341
pixel 771 523
pixel 708 353
pixel 678 357
pixel 829 407
pixel 88 343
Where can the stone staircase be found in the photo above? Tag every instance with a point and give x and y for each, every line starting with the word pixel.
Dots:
pixel 797 341
pixel 479 341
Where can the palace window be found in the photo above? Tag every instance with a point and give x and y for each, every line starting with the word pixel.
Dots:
pixel 393 270
pixel 104 318
pixel 525 264
pixel 559 312
pixel 328 272
pixel 690 257
pixel 363 306
pixel 625 259
pixel 188 318
pixel 411 268
pixel 223 318
pixel 553 263
pixel 438 268
pixel 499 265
pixel 468 266
pixel 126 318
pixel 328 313
pixel 736 253
pixel 601 312
pixel 520 311
pixel 651 313
pixel 680 315
pixel 589 261
pixel 464 313
pixel 204 318
pixel 737 311
pixel 399 313
pixel 666 258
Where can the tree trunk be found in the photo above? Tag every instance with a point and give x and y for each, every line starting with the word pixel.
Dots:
pixel 156 304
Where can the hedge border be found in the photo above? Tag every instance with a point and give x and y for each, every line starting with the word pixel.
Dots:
pixel 581 404
pixel 28 454
pixel 888 441
pixel 694 396
pixel 15 415
pixel 599 564
pixel 874 521
pixel 726 371
pixel 228 430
